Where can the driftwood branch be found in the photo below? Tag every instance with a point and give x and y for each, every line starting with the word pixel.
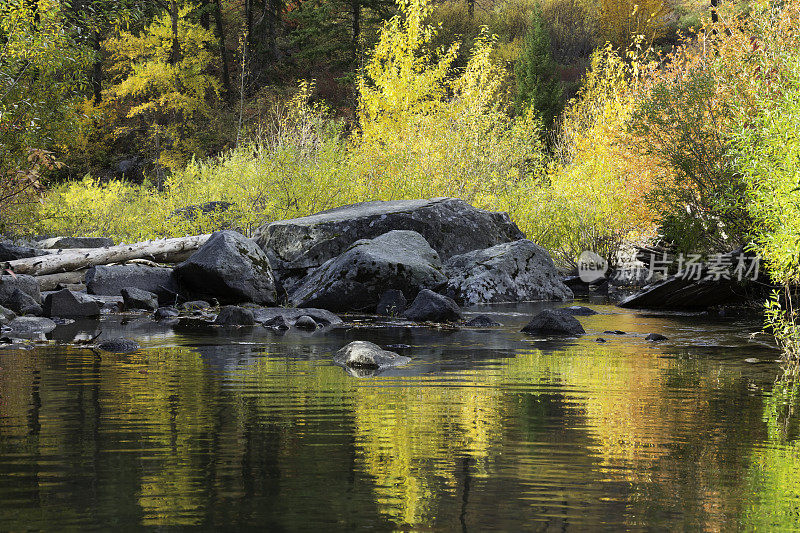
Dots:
pixel 161 251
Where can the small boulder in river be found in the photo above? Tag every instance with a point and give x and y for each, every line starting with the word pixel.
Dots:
pixel 509 272
pixel 23 304
pixel 277 323
pixel 482 321
pixel 356 279
pixel 165 313
pixel 363 354
pixel 429 306
pixel 66 303
pixel 392 303
pixel 109 280
pixel 655 337
pixel 552 322
pixel 231 268
pixel 119 346
pixel 267 316
pixel 579 310
pixel 306 323
pixel 232 315
pixel 450 226
pixel 134 298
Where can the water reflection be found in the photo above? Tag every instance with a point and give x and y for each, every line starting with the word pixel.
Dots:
pixel 484 430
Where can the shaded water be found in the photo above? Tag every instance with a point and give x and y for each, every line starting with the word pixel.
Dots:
pixel 485 430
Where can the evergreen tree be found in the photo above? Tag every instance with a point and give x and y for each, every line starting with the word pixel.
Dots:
pixel 537 80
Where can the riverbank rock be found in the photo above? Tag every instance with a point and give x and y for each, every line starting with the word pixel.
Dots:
pixel 66 303
pixel 269 316
pixel 24 326
pixel 64 243
pixel 450 226
pixel 551 322
pixel 24 283
pixel 119 346
pixel 6 315
pixel 363 354
pixel 429 306
pixel 109 280
pixel 392 303
pixel 231 268
pixel 23 304
pixel 509 272
pixel 356 279
pixel 133 299
pixel 679 293
pixel 11 252
pixel 232 315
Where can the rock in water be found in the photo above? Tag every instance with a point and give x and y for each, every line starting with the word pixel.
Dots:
pixel 119 346
pixel 392 303
pixel 482 321
pixel 451 227
pixel 76 242
pixel 23 304
pixel 509 272
pixel 134 298
pixel 30 325
pixel 165 313
pixel 109 280
pixel 268 317
pixel 550 322
pixel 230 268
pixel 655 337
pixel 679 293
pixel 429 306
pixel 363 354
pixel 356 279
pixel 24 283
pixel 306 323
pixel 232 315
pixel 579 310
pixel 66 303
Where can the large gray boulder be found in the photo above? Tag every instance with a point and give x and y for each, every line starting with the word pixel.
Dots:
pixel 23 304
pixel 451 227
pixel 109 280
pixel 509 272
pixel 66 303
pixel 231 268
pixel 6 315
pixel 24 283
pixel 363 354
pixel 356 279
pixel 134 298
pixel 25 326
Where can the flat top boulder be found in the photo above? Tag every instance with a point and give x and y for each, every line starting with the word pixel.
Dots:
pixel 554 322
pixel 450 225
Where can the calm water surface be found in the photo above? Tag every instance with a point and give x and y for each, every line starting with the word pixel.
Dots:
pixel 485 430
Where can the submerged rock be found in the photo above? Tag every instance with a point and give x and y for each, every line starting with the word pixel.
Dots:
pixel 195 305
pixel 66 303
pixel 165 313
pixel 551 322
pixel 579 310
pixel 655 337
pixel 450 226
pixel 482 321
pixel 230 268
pixel 232 315
pixel 429 306
pixel 119 346
pixel 134 298
pixel 509 272
pixel 356 279
pixel 363 354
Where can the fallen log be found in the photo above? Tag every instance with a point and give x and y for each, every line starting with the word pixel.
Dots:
pixel 161 251
pixel 50 282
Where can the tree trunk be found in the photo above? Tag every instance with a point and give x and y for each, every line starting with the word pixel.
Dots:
pixel 471 9
pixel 220 30
pixel 97 69
pixel 356 5
pixel 175 54
pixel 161 251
